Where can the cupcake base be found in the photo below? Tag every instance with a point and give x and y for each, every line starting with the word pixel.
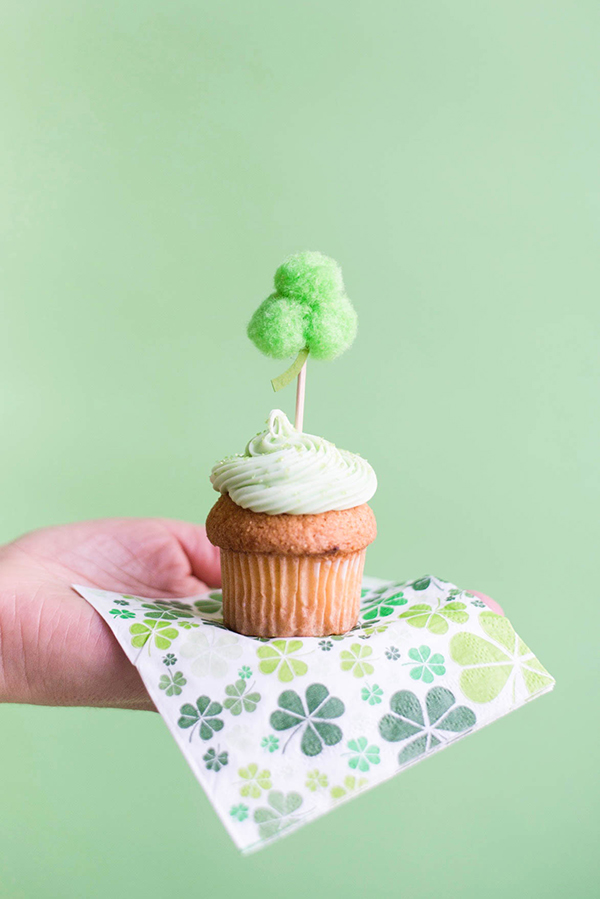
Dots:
pixel 271 595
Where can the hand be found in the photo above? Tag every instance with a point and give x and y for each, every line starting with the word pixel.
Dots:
pixel 54 647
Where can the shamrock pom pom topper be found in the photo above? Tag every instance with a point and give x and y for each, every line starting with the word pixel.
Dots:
pixel 309 313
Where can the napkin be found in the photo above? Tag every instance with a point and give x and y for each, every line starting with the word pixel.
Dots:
pixel 280 731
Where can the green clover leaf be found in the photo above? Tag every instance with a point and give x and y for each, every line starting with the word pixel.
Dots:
pixel 276 656
pixel 239 812
pixel 428 726
pixel 364 632
pixel 204 713
pixel 168 611
pixel 363 755
pixel 173 604
pixel 238 700
pixel 436 620
pixel 212 605
pixel 428 666
pixel 381 607
pixel 159 628
pixel 315 780
pixel 122 613
pixel 211 651
pixel 120 602
pixel 270 743
pixel 215 760
pixel 351 785
pixel 256 781
pixel 421 584
pixel 245 672
pixel 353 660
pixel 172 684
pixel 489 665
pixel 314 720
pixel 279 815
pixel 372 695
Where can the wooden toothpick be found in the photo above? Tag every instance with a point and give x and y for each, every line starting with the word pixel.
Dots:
pixel 300 393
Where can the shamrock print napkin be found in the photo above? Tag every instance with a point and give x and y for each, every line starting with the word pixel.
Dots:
pixel 280 731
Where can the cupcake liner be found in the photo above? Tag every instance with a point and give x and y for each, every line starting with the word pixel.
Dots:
pixel 266 595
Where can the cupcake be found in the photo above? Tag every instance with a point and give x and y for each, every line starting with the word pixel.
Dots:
pixel 293 525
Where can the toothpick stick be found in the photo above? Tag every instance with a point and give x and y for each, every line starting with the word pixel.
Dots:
pixel 300 392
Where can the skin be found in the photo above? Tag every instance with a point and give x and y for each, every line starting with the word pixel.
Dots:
pixel 54 647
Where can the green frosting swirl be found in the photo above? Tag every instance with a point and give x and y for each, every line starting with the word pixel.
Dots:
pixel 283 470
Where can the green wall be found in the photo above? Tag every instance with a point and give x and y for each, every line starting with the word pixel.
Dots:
pixel 157 161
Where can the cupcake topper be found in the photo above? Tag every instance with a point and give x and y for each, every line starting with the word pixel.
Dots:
pixel 309 313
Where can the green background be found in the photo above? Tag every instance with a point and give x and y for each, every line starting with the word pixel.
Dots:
pixel 158 160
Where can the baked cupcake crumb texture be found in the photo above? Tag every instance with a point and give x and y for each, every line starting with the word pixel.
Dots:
pixel 326 533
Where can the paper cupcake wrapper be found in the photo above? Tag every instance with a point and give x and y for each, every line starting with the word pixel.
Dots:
pixel 265 594
pixel 278 732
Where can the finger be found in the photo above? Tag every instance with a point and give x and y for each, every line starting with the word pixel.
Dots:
pixel 490 603
pixel 203 556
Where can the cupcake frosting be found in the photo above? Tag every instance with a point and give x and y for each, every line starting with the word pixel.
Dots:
pixel 285 471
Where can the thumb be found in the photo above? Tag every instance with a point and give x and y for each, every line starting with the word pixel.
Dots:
pixel 204 558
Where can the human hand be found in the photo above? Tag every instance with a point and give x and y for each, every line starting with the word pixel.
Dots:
pixel 54 647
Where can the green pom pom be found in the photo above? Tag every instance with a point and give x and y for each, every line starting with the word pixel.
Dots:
pixel 310 278
pixel 332 329
pixel 309 309
pixel 277 327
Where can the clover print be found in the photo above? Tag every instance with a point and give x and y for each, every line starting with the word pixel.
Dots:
pixel 364 633
pixel 372 695
pixel 392 653
pixel 256 781
pixel 158 629
pixel 279 815
pixel 168 609
pixel 325 645
pixel 215 760
pixel 276 656
pixel 173 604
pixel 428 666
pixel 204 713
pixel 245 672
pixel 363 755
pixel 239 812
pixel 169 659
pixel 492 665
pixel 211 652
pixel 122 613
pixel 436 620
pixel 421 584
pixel 314 721
pixel 210 606
pixel 407 720
pixel 270 743
pixel 120 602
pixel 353 660
pixel 238 700
pixel 315 780
pixel 382 606
pixel 172 684
pixel 351 785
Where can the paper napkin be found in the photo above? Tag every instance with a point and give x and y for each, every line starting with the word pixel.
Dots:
pixel 280 731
